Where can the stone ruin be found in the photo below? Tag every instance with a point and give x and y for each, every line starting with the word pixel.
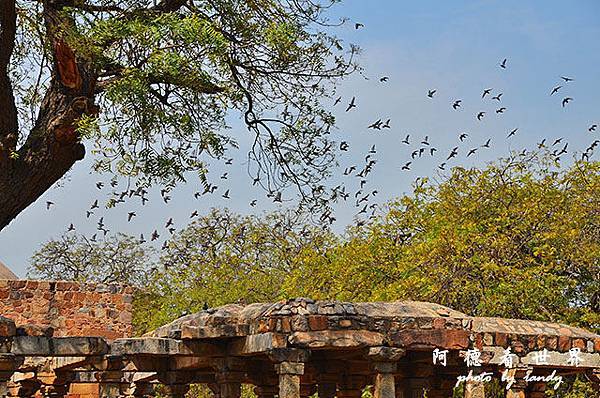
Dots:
pixel 296 348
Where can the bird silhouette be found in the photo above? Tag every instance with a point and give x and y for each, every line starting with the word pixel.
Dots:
pixel 566 100
pixel 155 235
pixel 592 128
pixel 456 104
pixel 567 79
pixel 406 166
pixel 337 100
pixel 472 152
pixel 512 132
pixel 503 63
pixel 352 104
pixel 49 204
pixel 130 215
pixel 480 115
pixel 384 79
pixel 501 110
pixel 487 143
pixel 497 97
pixel 358 25
pixel 463 136
pixel 431 93
pixel 453 153
pixel 555 90
pixel 486 92
pixel 226 194
pixel 344 146
pixel 405 140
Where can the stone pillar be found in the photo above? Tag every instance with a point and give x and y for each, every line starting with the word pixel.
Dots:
pixel 110 383
pixel 289 378
pixel 385 386
pixel 384 360
pixel 517 390
pixel 230 385
pixel 474 389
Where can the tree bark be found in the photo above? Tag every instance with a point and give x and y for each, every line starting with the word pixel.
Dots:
pixel 52 146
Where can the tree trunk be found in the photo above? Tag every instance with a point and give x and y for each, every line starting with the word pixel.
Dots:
pixel 52 146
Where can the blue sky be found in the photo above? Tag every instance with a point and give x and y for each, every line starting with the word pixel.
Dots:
pixel 453 47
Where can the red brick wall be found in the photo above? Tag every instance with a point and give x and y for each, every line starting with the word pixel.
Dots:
pixel 72 309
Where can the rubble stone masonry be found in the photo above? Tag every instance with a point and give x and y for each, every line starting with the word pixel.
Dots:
pixel 68 308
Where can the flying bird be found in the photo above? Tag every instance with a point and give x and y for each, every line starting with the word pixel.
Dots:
pixel 486 92
pixel 352 104
pixel 49 204
pixel 503 63
pixel 555 90
pixel 480 115
pixel 567 79
pixel 405 140
pixel 497 97
pixel 566 100
pixel 463 136
pixel 226 195
pixel 456 104
pixel 406 166
pixel 384 79
pixel 358 25
pixel 130 215
pixel 431 93
pixel 592 128
pixel 500 110
pixel 512 132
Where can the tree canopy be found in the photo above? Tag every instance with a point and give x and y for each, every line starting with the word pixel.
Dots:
pixel 151 85
pixel 518 238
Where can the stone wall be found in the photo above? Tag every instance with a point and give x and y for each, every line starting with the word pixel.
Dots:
pixel 69 308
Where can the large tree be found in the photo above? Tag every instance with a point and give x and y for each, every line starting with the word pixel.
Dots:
pixel 151 83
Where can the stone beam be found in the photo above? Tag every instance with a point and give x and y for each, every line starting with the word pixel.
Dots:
pixel 155 346
pixel 336 339
pixel 58 346
pixel 256 344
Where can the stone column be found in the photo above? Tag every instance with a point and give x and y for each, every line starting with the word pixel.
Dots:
pixel 474 389
pixel 289 378
pixel 384 361
pixel 385 386
pixel 110 382
pixel 229 383
pixel 517 390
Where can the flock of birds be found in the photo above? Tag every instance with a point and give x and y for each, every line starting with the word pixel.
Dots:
pixel 362 198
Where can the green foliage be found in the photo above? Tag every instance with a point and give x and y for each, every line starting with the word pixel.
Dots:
pixel 118 259
pixel 519 238
pixel 516 239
